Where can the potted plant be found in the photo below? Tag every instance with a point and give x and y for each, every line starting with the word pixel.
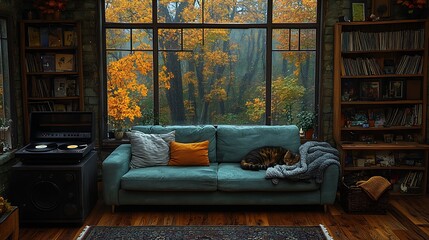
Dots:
pixel 50 7
pixel 306 120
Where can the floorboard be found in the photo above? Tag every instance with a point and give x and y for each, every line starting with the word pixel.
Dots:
pixel 340 224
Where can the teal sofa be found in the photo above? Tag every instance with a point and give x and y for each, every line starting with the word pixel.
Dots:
pixel 221 183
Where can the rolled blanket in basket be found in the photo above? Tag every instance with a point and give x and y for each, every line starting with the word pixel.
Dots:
pixel 374 187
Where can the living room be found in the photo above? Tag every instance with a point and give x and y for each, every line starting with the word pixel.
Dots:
pixel 270 63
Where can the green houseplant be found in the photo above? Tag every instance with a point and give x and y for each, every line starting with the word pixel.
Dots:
pixel 306 120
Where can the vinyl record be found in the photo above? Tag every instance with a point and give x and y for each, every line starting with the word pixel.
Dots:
pixel 41 147
pixel 72 146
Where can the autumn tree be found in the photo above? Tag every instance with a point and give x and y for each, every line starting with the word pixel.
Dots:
pixel 286 94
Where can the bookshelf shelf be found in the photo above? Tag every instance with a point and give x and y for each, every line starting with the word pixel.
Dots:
pixel 52 67
pixel 380 101
pixel 384 76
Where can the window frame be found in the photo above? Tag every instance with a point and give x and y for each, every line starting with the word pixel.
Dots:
pixel 269 26
pixel 11 82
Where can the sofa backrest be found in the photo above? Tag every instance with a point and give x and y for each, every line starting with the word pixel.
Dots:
pixel 186 134
pixel 234 142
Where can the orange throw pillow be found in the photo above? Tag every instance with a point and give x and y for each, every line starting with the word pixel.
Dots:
pixel 189 154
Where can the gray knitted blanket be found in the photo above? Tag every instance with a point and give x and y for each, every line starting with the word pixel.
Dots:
pixel 315 157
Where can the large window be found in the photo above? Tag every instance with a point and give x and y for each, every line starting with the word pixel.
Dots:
pixel 210 61
pixel 5 104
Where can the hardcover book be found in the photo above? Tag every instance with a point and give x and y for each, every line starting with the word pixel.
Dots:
pixel 64 62
pixel 55 37
pixel 48 62
pixel 33 37
pixel 60 87
pixel 69 38
pixel 44 37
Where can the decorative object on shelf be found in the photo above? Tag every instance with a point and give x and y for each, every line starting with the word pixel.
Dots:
pixel 358 11
pixel 412 9
pixel 119 134
pixel 381 8
pixel 50 8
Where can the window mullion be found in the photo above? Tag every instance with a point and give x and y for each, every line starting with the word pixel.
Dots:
pixel 269 62
pixel 155 63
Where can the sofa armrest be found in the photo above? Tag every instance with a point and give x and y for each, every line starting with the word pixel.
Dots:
pixel 328 188
pixel 114 167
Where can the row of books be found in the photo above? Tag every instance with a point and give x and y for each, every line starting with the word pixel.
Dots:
pixel 49 106
pixel 412 179
pixel 58 87
pixel 59 62
pixel 370 41
pixel 360 66
pixel 409 116
pixel 410 65
pixel 369 66
pixel 51 36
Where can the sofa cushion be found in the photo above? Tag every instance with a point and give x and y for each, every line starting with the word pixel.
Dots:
pixel 234 142
pixel 234 179
pixel 189 154
pixel 149 149
pixel 171 178
pixel 187 134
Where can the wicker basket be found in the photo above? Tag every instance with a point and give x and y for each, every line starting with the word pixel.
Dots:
pixel 355 200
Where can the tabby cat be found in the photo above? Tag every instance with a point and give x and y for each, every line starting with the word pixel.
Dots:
pixel 265 157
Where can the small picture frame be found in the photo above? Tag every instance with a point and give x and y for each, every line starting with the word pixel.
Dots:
pixel 358 11
pixel 381 8
pixel 349 90
pixel 388 138
pixel 370 90
pixel 396 89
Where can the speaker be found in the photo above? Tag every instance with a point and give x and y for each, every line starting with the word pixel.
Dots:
pixel 55 193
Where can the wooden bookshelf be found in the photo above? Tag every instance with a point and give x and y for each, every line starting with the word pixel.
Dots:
pixel 51 54
pixel 380 101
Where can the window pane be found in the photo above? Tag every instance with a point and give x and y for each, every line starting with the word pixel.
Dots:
pixel 308 39
pixel 294 39
pixel 292 11
pixel 219 82
pixel 281 39
pixel 128 11
pixel 185 11
pixel 118 39
pixel 129 88
pixel 293 85
pixel 170 39
pixel 244 11
pixel 142 39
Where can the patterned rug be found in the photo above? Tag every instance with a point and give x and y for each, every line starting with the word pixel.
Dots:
pixel 204 232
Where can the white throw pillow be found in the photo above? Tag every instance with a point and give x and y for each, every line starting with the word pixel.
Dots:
pixel 150 149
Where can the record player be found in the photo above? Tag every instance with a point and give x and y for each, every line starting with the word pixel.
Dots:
pixel 58 138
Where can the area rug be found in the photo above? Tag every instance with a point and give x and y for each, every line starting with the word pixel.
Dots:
pixel 204 232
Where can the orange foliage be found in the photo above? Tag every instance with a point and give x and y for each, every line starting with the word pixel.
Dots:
pixel 123 88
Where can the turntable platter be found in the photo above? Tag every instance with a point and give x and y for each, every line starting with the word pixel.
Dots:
pixel 72 146
pixel 41 147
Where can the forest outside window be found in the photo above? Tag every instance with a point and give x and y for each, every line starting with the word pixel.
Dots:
pixel 210 61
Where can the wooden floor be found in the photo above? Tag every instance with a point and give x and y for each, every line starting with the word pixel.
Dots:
pixel 340 224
